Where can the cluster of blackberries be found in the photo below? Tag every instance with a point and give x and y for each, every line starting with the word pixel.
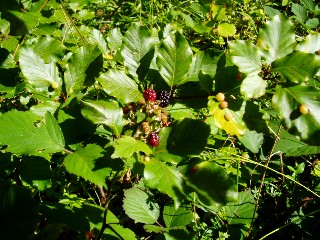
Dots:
pixel 163 97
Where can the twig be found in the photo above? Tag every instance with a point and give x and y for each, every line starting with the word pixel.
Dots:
pixel 43 5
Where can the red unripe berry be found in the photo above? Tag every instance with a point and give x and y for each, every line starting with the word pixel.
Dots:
pixel 150 95
pixel 194 169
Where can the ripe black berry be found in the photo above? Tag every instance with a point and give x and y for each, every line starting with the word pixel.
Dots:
pixel 153 139
pixel 164 97
pixel 150 95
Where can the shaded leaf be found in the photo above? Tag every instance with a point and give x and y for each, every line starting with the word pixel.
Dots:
pixel 276 39
pixel 210 182
pixel 118 84
pixel 137 205
pixel 241 211
pixel 300 12
pixel 174 217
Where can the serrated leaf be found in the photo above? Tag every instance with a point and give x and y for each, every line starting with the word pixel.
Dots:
pixel 312 23
pixel 49 48
pixel 210 182
pixel 252 140
pixel 83 161
pixel 96 38
pixel 291 146
pixel 76 69
pixel 242 211
pixel 21 23
pixel 174 217
pixel 309 4
pixel 137 42
pixel 253 86
pixel 114 38
pixel 24 136
pixel 310 44
pixel 166 179
pixel 226 30
pixel 300 12
pixel 235 126
pixel 137 205
pixel 117 84
pixel 276 39
pixel 305 126
pixel 126 146
pixel 297 67
pixel 174 58
pixel 38 73
pixel 104 112
pixel 245 55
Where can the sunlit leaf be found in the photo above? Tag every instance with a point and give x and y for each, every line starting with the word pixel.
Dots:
pixel 226 29
pixel 138 206
pixel 276 39
pixel 288 100
pixel 253 86
pixel 118 84
pixel 174 59
pixel 104 112
pixel 126 146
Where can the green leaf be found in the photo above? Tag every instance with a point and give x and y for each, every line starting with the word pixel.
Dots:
pixel 245 55
pixel 252 140
pixel 305 126
pixel 180 142
pixel 226 30
pixel 114 38
pixel 241 212
pixel 117 84
pixel 48 48
pixel 39 74
pixel 24 136
pixel 19 210
pixel 137 42
pixel 96 38
pixel 76 72
pixel 166 179
pixel 104 112
pixel 276 39
pixel 310 44
pixel 83 162
pixel 297 67
pixel 174 59
pixel 174 217
pixel 253 86
pixel 300 12
pixel 310 4
pixel 291 146
pixel 138 206
pixel 126 146
pixel 210 182
pixel 312 23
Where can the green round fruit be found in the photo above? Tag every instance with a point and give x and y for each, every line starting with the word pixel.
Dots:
pixel 54 85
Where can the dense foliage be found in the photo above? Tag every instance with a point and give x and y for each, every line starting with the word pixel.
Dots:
pixel 159 119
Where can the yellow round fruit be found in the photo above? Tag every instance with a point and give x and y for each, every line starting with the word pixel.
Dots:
pixel 220 97
pixel 303 109
pixel 54 85
pixel 228 116
pixel 147 159
pixel 223 104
